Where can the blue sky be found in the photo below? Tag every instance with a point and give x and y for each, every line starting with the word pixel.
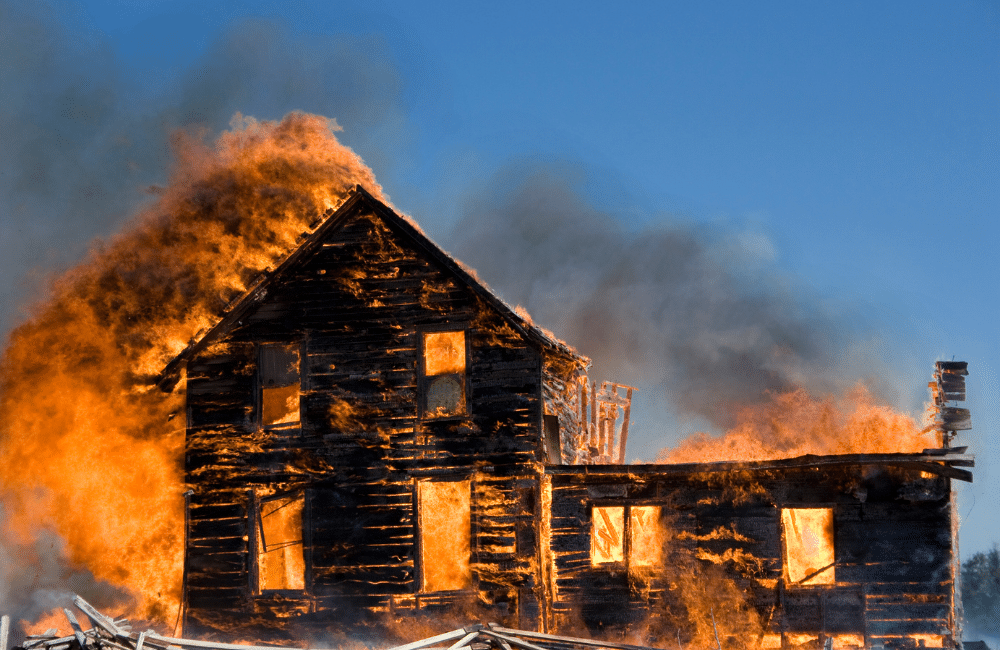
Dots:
pixel 851 147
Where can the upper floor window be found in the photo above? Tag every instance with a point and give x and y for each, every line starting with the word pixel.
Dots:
pixel 280 385
pixel 807 534
pixel 625 535
pixel 443 381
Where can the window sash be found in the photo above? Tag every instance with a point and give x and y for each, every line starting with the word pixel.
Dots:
pixel 625 535
pixel 443 366
pixel 280 382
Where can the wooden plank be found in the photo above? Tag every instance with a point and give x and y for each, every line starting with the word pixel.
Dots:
pixel 440 638
pixel 77 630
pixel 4 631
pixel 464 641
pixel 59 641
pixel 192 643
pixel 565 639
pixel 97 619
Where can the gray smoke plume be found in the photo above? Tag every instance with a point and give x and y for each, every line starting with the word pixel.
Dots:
pixel 84 144
pixel 36 578
pixel 698 312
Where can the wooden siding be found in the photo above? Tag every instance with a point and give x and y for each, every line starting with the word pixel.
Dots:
pixel 357 308
pixel 893 551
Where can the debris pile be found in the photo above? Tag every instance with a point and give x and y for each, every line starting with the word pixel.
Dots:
pixel 106 633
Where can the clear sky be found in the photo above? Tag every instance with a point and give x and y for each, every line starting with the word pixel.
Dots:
pixel 851 147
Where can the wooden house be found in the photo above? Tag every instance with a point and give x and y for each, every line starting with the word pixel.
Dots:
pixel 372 434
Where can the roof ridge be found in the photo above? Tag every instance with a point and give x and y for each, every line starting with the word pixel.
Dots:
pixel 328 221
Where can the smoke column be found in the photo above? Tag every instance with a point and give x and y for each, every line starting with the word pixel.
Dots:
pixel 671 304
pixel 697 316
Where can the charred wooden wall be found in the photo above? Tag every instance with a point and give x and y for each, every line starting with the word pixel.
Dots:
pixel 356 309
pixel 892 542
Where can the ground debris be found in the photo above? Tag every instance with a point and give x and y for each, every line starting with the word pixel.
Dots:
pixel 107 633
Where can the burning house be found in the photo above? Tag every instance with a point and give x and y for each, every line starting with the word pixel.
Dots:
pixel 371 432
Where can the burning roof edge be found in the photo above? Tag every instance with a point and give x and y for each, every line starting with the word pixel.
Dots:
pixel 331 220
pixel 929 460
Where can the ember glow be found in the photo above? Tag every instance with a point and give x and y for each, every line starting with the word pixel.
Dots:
pixel 90 450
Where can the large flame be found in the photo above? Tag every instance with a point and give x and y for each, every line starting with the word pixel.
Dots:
pixel 796 423
pixel 89 449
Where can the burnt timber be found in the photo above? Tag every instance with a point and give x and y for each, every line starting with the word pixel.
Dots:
pixel 317 405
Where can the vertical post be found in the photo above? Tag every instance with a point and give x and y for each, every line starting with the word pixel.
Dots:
pixel 593 414
pixel 612 431
pixel 957 607
pixel 624 437
pixel 602 431
pixel 182 606
pixel 4 631
pixel 253 530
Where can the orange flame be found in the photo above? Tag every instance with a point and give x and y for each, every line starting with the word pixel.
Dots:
pixel 795 423
pixel 89 449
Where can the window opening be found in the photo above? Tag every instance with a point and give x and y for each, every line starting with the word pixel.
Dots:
pixel 444 520
pixel 280 385
pixel 611 526
pixel 444 373
pixel 645 540
pixel 808 541
pixel 280 559
pixel 607 539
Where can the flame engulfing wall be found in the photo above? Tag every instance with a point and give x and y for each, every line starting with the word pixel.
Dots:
pixel 89 450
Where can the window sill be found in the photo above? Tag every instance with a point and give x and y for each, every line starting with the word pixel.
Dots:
pixel 286 426
pixel 444 418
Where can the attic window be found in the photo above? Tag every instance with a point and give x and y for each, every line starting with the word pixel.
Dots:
pixel 280 560
pixel 613 526
pixel 808 546
pixel 280 385
pixel 443 386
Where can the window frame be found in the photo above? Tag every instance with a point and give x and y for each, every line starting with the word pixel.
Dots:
pixel 424 380
pixel 259 385
pixel 626 564
pixel 255 526
pixel 784 547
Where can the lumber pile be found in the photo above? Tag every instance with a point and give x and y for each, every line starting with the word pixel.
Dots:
pixel 106 633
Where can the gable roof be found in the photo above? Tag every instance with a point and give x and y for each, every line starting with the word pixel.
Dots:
pixel 358 199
